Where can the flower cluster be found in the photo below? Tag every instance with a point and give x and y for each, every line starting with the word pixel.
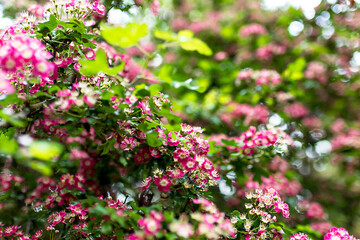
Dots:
pixel 296 110
pixel 338 234
pixel 351 138
pixel 267 52
pixel 207 221
pixel 299 236
pixel 78 9
pixel 252 29
pixel 7 180
pixel 188 166
pixel 278 181
pixel 15 231
pixel 261 77
pixel 249 141
pixel 264 203
pixel 251 114
pixel 152 223
pixel 22 52
pixel 316 70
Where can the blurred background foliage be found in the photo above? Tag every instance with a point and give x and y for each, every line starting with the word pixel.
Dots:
pixel 314 51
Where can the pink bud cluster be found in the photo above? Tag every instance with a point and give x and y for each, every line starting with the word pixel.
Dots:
pixel 321 227
pixel 267 52
pixel 296 110
pixel 37 10
pixel 253 29
pixel 252 114
pixel 351 138
pixel 7 180
pixel 248 141
pixel 211 222
pixel 210 23
pixel 152 223
pixel 317 71
pixel 22 52
pixel 338 234
pixel 261 77
pixel 279 182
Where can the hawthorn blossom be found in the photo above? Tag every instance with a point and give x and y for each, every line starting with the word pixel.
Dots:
pixel 163 183
pixel 77 209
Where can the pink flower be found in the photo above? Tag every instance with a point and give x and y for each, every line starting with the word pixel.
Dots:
pixel 321 227
pixel 315 211
pixel 190 164
pixel 207 165
pixel 181 154
pixel 215 175
pixel 176 173
pixel 56 218
pixel 77 209
pixel 22 51
pixel 299 236
pixel 155 152
pixel 146 183
pixel 5 84
pixel 296 110
pixel 152 223
pixel 99 8
pixel 172 142
pixel 182 229
pixel 128 143
pixel 8 231
pixel 163 183
pixel 253 28
pixel 143 155
pixel 338 234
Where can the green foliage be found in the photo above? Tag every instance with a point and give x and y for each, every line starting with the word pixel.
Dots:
pixel 99 64
pixel 124 36
pixel 8 145
pixel 185 39
pixel 44 150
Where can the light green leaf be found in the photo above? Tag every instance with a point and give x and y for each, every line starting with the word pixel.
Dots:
pixel 196 44
pixel 185 35
pixel 165 35
pixel 44 150
pixel 155 89
pixel 124 36
pixel 93 67
pixel 152 140
pixel 41 167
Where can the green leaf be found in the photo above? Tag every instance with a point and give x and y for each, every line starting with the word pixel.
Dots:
pixel 46 27
pixel 41 167
pixel 155 89
pixel 93 67
pixel 186 40
pixel 124 36
pixel 44 150
pixel 196 45
pixel 185 35
pixel 152 139
pixel 165 35
pixel 106 228
pixel 7 144
pixel 294 71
